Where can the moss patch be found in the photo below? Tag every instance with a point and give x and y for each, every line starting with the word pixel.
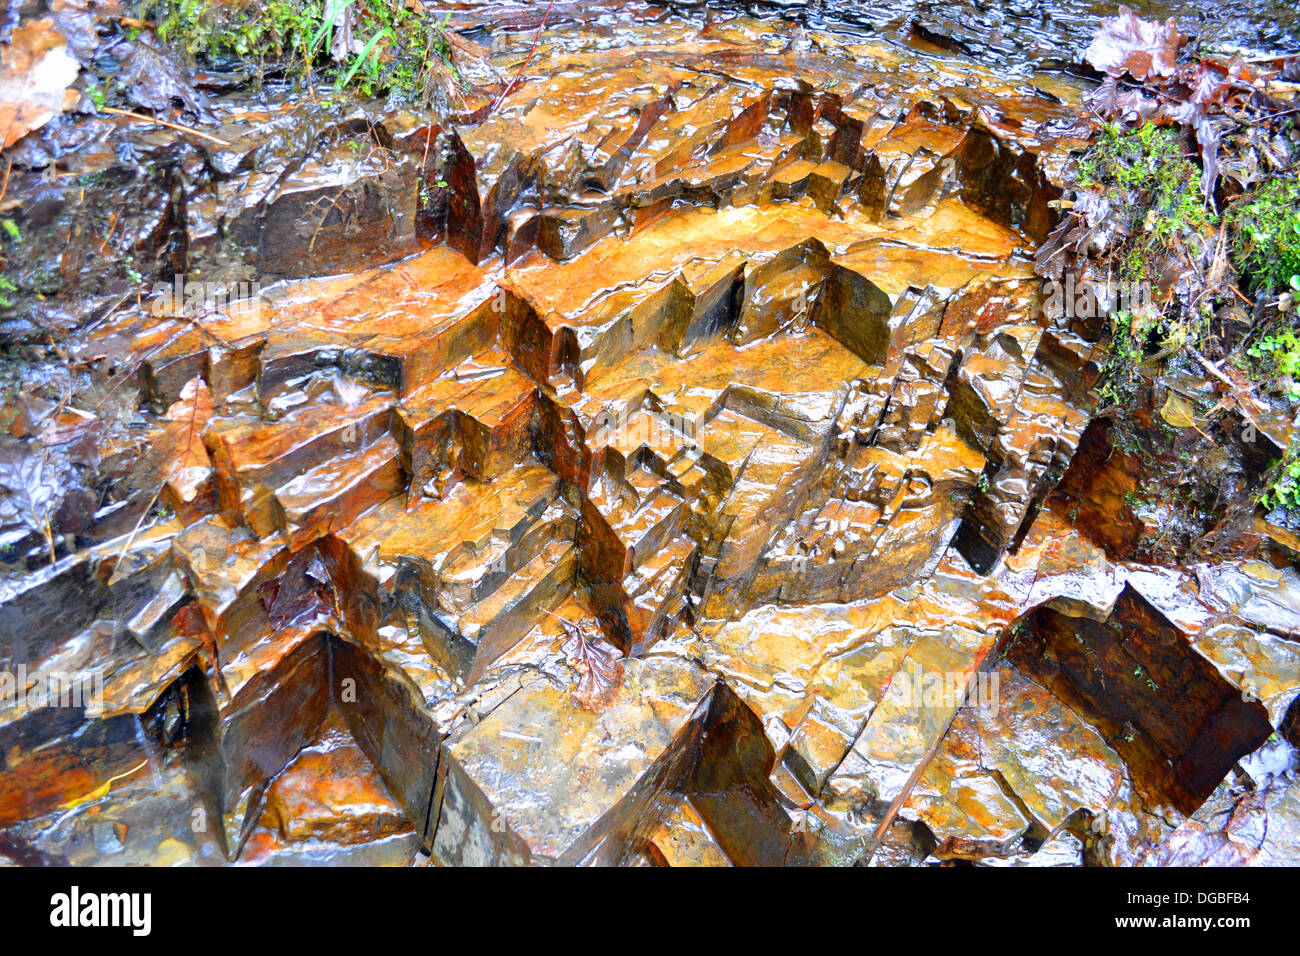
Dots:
pixel 1266 236
pixel 388 48
pixel 1148 171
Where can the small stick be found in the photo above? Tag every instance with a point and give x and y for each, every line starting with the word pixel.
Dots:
pixel 570 628
pixel 1237 293
pixel 1233 389
pixel 562 620
pixel 510 87
pixel 1273 116
pixel 161 122
pixel 1248 59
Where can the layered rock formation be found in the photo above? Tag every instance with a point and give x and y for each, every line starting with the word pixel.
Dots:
pixel 668 479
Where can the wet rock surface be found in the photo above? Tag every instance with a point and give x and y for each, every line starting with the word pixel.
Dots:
pixel 659 467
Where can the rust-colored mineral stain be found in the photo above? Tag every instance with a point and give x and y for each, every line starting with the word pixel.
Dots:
pixel 659 491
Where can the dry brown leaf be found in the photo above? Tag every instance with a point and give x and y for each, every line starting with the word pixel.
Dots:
pixel 191 622
pixel 154 78
pixel 467 47
pixel 183 458
pixel 78 20
pixel 35 79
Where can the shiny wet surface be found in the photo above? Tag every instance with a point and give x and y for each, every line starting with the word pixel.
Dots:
pixel 658 492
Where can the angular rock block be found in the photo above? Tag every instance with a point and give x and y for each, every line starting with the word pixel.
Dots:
pixel 1176 722
pixel 542 779
pixel 1005 182
pixel 386 716
pixel 234 748
pixel 712 366
pixel 57 756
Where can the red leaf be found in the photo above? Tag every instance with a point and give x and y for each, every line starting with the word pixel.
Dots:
pixel 599 667
pixel 304 590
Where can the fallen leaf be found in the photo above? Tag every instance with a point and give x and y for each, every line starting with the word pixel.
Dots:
pixel 1180 413
pixel 32 480
pixel 73 436
pixel 467 46
pixel 35 79
pixel 28 413
pixel 1192 116
pixel 191 622
pixel 153 79
pixel 44 466
pixel 1127 43
pixel 78 21
pixel 344 44
pixel 180 453
pixel 1135 107
pixel 1208 86
pixel 303 590
pixel 102 790
pixel 599 667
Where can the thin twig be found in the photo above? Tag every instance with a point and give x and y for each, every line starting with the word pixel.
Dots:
pixel 1234 389
pixel 510 87
pixel 1237 293
pixel 1273 116
pixel 118 564
pixel 139 118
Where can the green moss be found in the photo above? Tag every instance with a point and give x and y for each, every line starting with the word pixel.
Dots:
pixel 400 49
pixel 1153 161
pixel 1148 167
pixel 1147 170
pixel 1150 164
pixel 1284 490
pixel 1266 249
pixel 276 30
pixel 1266 235
pixel 1278 362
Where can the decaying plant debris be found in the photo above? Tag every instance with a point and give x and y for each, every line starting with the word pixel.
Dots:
pixel 1189 192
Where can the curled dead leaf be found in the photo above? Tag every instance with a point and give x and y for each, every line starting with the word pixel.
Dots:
pixel 154 79
pixel 1127 43
pixel 1178 411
